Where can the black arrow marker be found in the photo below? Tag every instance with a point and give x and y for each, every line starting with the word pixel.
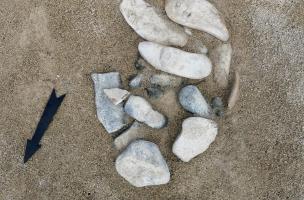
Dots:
pixel 50 110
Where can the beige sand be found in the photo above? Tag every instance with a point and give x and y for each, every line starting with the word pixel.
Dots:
pixel 258 154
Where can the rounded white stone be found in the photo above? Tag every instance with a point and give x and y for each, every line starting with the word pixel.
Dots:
pixel 197 14
pixel 142 164
pixel 196 136
pixel 175 61
pixel 141 110
pixel 151 24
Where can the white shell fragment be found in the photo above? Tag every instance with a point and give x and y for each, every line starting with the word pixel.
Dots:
pixel 142 164
pixel 111 116
pixel 116 95
pixel 128 136
pixel 141 110
pixel 221 59
pixel 151 24
pixel 197 14
pixel 235 92
pixel 193 101
pixel 196 136
pixel 175 61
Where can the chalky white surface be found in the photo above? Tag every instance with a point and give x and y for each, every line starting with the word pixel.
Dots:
pixel 197 14
pixel 142 164
pixel 175 61
pixel 151 24
pixel 196 136
pixel 141 110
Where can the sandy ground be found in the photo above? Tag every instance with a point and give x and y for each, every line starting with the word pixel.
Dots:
pixel 258 154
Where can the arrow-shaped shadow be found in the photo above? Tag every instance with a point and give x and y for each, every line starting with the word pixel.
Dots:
pixel 49 112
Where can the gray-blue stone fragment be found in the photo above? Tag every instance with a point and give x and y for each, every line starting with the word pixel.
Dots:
pixel 136 82
pixel 193 101
pixel 111 116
